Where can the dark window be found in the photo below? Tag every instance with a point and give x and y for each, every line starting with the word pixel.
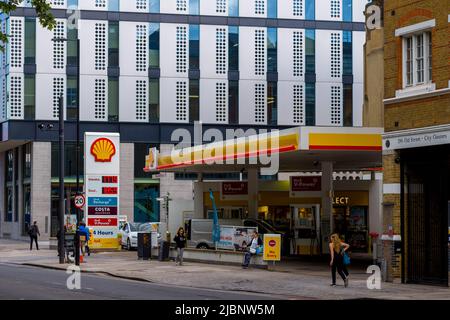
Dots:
pixel 347 53
pixel 30 97
pixel 146 205
pixel 154 6
pixel 194 7
pixel 72 101
pixel 310 51
pixel 194 47
pixel 233 8
pixel 194 101
pixel 154 100
pixel 347 10
pixel 310 104
pixel 348 105
pixel 113 44
pixel 272 11
pixel 113 99
pixel 70 160
pixel 233 102
pixel 272 43
pixel 26 161
pixel 72 44
pixel 233 48
pixel 272 103
pixel 140 152
pixel 310 11
pixel 154 45
pixel 30 40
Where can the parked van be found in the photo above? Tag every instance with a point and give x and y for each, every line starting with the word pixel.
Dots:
pixel 199 232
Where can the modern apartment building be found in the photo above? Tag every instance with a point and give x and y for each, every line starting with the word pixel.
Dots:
pixel 148 67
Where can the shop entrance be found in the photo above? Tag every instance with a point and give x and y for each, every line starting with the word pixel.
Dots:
pixel 304 226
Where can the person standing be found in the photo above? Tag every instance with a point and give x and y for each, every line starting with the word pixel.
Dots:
pixel 337 249
pixel 84 232
pixel 34 233
pixel 180 240
pixel 254 245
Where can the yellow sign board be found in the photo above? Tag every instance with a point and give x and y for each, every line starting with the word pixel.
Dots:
pixel 272 247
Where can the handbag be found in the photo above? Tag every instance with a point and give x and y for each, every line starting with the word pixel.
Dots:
pixel 346 258
pixel 252 250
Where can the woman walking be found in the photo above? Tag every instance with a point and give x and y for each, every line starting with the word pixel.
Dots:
pixel 180 240
pixel 337 249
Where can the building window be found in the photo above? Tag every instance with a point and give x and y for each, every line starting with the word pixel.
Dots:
pixel 221 102
pixel 194 7
pixel 233 102
pixel 260 103
pixel 272 49
pixel 154 6
pixel 260 7
pixel 194 47
pixel 15 97
pixel 335 55
pixel 297 7
pixel 181 50
pixel 154 100
pixel 310 51
pixel 272 9
pixel 141 48
pixel 59 55
pixel 15 53
pixel 233 48
pixel 233 8
pixel 58 91
pixel 72 44
pixel 298 108
pixel 181 5
pixel 113 99
pixel 221 51
pixel 141 100
pixel 272 103
pixel 417 64
pixel 221 6
pixel 336 105
pixel 348 105
pixel 72 98
pixel 26 161
pixel 260 53
pixel 113 44
pixel 347 53
pixel 310 9
pixel 100 99
pixel 194 100
pixel 347 10
pixel 100 46
pixel 154 45
pixel 113 5
pixel 335 8
pixel 30 40
pixel 181 101
pixel 310 104
pixel 298 53
pixel 30 97
pixel 9 166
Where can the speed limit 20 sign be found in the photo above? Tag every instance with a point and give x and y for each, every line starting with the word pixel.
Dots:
pixel 80 201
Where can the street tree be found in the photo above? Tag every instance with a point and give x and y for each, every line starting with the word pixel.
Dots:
pixel 46 19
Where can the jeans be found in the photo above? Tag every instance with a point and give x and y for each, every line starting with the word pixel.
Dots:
pixel 35 239
pixel 180 255
pixel 338 265
pixel 247 258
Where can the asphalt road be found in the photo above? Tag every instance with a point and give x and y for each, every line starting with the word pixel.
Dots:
pixel 30 283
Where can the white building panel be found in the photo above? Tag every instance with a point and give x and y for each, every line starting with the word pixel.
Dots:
pixel 132 62
pixel 16 45
pixel 134 5
pixel 15 102
pixel 291 103
pixel 214 52
pixel 47 96
pixel 174 6
pixel 133 99
pixel 168 51
pixel 51 55
pixel 329 10
pixel 249 102
pixel 248 54
pixel 58 4
pixel 88 98
pixel 359 8
pixel 326 56
pixel 358 101
pixel 214 7
pixel 291 9
pixel 214 101
pixel 93 5
pixel 358 38
pixel 253 8
pixel 324 103
pixel 170 100
pixel 292 55
pixel 93 51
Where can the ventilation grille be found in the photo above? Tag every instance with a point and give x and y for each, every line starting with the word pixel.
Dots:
pixel 141 100
pixel 141 48
pixel 100 46
pixel 298 54
pixel 100 99
pixel 59 55
pixel 221 51
pixel 15 98
pixel 335 7
pixel 221 6
pixel 260 53
pixel 181 101
pixel 181 50
pixel 298 104
pixel 221 102
pixel 260 7
pixel 58 90
pixel 16 43
pixel 181 5
pixel 336 106
pixel 260 103
pixel 335 55
pixel 297 7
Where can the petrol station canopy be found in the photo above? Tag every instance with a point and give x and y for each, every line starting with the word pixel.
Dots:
pixel 299 149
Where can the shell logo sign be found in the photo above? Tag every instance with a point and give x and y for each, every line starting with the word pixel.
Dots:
pixel 103 150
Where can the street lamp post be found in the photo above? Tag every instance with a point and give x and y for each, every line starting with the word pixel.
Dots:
pixel 61 180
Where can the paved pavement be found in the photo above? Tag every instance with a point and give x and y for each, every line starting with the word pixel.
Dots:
pixel 293 280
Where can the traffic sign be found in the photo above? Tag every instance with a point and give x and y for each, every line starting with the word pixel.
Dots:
pixel 80 201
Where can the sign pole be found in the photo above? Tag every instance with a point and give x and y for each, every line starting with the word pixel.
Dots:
pixel 61 181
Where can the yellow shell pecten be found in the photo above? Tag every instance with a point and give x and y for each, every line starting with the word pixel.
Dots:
pixel 103 150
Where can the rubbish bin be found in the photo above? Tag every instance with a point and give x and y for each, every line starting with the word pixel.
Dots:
pixel 144 249
pixel 164 249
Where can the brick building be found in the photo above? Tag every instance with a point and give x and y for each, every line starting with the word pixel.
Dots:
pixel 416 143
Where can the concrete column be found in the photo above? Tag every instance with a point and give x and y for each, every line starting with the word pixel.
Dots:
pixel 327 200
pixel 41 187
pixel 198 198
pixel 253 193
pixel 127 180
pixel 2 192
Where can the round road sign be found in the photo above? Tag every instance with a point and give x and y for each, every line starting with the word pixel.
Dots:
pixel 79 201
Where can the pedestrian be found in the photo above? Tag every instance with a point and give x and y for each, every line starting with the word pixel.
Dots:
pixel 337 250
pixel 180 240
pixel 255 244
pixel 84 238
pixel 33 232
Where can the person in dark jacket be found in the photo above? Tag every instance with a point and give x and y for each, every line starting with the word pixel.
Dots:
pixel 252 249
pixel 34 233
pixel 180 240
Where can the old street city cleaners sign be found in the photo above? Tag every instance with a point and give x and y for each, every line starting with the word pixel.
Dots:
pixel 102 166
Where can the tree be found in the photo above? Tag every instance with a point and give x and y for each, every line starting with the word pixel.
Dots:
pixel 46 19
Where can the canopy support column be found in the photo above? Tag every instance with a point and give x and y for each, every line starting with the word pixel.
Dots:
pixel 253 193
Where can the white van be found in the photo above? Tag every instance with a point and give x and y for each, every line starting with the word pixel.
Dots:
pixel 199 231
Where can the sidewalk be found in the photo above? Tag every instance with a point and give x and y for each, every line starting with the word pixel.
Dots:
pixel 300 280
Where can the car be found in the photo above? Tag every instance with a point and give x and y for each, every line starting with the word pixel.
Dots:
pixel 129 234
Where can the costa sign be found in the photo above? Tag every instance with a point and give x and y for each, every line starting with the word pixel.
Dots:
pixel 102 211
pixel 103 149
pixel 312 183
